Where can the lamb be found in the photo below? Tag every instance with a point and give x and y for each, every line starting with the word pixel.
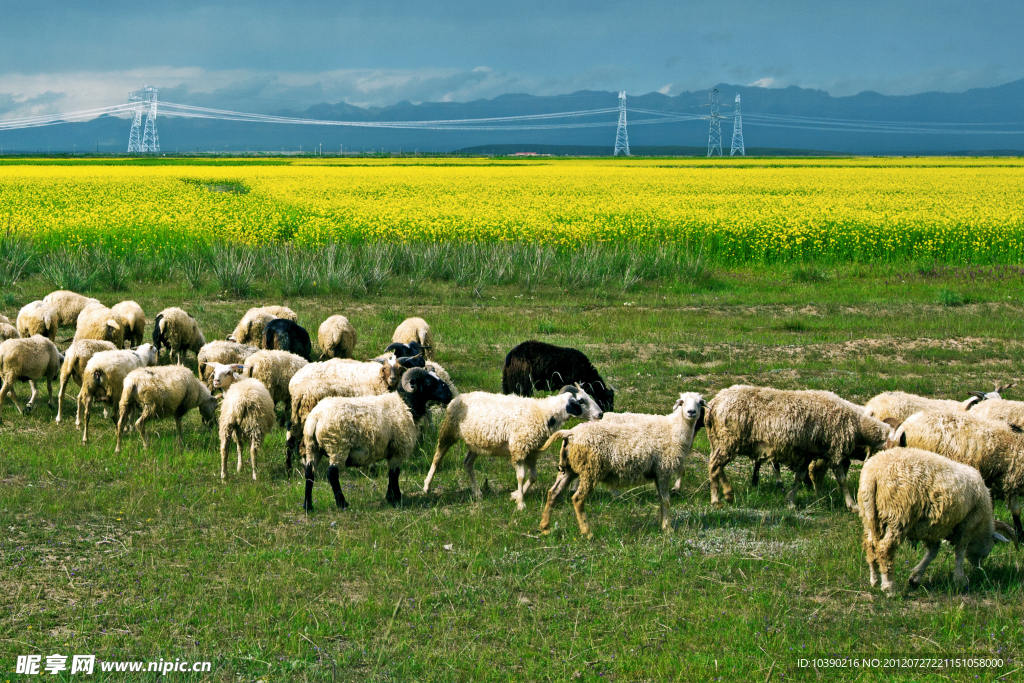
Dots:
pixel 162 392
pixel 337 338
pixel 249 329
pixel 358 431
pixel 28 360
pixel 992 447
pixel 622 454
pixel 915 495
pixel 223 352
pixel 8 331
pixel 415 330
pixel 335 377
pixel 96 321
pixel 276 370
pixel 893 407
pixel 104 379
pixel 247 412
pixel 39 318
pixel 538 365
pixel 76 358
pixel 791 427
pixel 284 335
pixel 134 321
pixel 178 331
pixel 68 305
pixel 507 426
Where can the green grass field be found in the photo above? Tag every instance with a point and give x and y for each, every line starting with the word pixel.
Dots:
pixel 148 555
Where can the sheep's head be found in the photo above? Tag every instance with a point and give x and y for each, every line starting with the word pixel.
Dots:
pixel 580 403
pixel 147 352
pixel 208 410
pixel 391 372
pixel 427 385
pixel 980 546
pixel 225 375
pixel 408 350
pixel 692 404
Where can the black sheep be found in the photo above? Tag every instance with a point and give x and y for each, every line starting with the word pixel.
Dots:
pixel 284 335
pixel 537 365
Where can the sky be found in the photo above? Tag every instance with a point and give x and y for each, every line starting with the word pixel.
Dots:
pixel 263 57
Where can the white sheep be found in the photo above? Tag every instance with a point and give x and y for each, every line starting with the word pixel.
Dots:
pixel 992 447
pixel 163 391
pixel 249 329
pixel 513 427
pixel 178 331
pixel 915 495
pixel 893 407
pixel 415 330
pixel 103 379
pixel 335 377
pixel 28 359
pixel 96 321
pixel 39 318
pixel 68 305
pixel 624 454
pixel 278 312
pixel 358 431
pixel 1011 412
pixel 790 427
pixel 222 352
pixel 76 358
pixel 134 319
pixel 337 338
pixel 246 413
pixel 8 331
pixel 274 369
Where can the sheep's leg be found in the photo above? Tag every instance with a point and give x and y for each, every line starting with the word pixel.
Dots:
pixel 49 392
pixel 238 447
pixel 918 571
pixel 86 414
pixel 800 477
pixel 307 502
pixel 777 474
pixel 885 552
pixel 561 483
pixel 8 390
pixel 181 437
pixel 719 480
pixel 31 399
pixel 532 465
pixel 664 494
pixel 578 500
pixel 446 438
pixel 1013 502
pixel 840 474
pixel 332 477
pixel 755 477
pixel 869 554
pixel 253 447
pixel 3 395
pixel 140 425
pixel 223 455
pixel 519 493
pixel 958 571
pixel 78 409
pixel 60 397
pixel 394 494
pixel 473 486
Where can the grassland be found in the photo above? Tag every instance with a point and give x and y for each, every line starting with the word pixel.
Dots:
pixel 149 555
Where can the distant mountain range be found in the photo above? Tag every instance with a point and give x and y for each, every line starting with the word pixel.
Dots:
pixel 1003 104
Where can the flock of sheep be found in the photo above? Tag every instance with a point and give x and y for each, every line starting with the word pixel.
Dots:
pixel 932 466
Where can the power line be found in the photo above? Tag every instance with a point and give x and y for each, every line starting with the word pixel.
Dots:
pixel 621 136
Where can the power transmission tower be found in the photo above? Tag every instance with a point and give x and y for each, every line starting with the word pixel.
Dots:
pixel 737 131
pixel 621 137
pixel 145 99
pixel 715 134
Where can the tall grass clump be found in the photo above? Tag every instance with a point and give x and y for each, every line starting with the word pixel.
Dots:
pixel 68 269
pixel 236 268
pixel 112 272
pixel 297 269
pixel 16 258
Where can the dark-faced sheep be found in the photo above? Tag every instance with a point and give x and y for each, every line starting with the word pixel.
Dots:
pixel 539 365
pixel 282 334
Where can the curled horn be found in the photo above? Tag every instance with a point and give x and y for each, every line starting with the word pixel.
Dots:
pixel 410 377
pixel 1008 532
pixel 1000 388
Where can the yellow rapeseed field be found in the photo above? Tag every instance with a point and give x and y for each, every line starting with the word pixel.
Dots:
pixel 735 210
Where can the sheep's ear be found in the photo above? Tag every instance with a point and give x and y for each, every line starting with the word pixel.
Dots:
pixel 999 537
pixel 892 422
pixel 237 367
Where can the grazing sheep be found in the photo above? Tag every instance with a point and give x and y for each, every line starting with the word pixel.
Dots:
pixel 8 331
pixel 538 365
pixel 992 447
pixel 410 350
pixel 76 358
pixel 178 331
pixel 96 321
pixel 28 360
pixel 624 454
pixel 337 338
pixel 223 352
pixel 911 494
pixel 335 377
pixel 282 334
pixel 1011 412
pixel 68 305
pixel 278 312
pixel 415 330
pixel 134 321
pixel 790 427
pixel 893 407
pixel 170 390
pixel 249 329
pixel 646 419
pixel 247 412
pixel 359 431
pixel 39 318
pixel 431 366
pixel 275 369
pixel 104 379
pixel 507 426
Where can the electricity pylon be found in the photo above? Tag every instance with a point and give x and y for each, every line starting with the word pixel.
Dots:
pixel 737 132
pixel 621 137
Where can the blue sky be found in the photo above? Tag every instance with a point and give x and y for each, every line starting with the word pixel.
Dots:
pixel 266 56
